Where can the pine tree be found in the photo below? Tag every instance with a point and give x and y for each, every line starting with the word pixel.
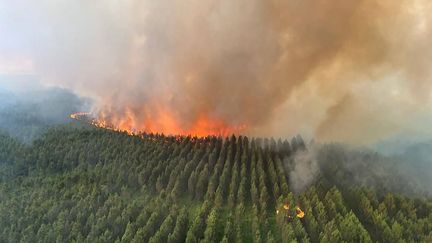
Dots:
pixel 210 232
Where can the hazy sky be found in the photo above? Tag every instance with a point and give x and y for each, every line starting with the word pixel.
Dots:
pixel 348 70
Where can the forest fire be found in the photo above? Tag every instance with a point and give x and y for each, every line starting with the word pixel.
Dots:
pixel 164 123
pixel 299 213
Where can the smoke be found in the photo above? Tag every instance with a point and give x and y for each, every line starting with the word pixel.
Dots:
pixel 27 114
pixel 408 173
pixel 348 70
pixel 303 169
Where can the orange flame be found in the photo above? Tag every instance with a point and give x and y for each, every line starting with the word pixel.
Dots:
pixel 164 122
pixel 299 212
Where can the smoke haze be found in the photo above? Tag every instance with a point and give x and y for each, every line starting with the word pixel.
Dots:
pixel 27 114
pixel 349 70
pixel 303 169
pixel 408 172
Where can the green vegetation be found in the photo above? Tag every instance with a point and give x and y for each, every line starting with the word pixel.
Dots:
pixel 95 185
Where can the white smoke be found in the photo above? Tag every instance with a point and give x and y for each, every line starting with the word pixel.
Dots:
pixel 303 169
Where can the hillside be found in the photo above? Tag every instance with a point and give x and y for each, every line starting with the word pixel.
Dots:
pixel 94 185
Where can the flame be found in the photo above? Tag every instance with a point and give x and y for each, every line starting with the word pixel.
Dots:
pixel 299 212
pixel 163 122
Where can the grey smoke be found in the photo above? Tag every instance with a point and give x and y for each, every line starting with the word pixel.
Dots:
pixel 346 166
pixel 26 114
pixel 303 169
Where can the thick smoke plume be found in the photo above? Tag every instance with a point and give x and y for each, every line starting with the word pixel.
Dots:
pixel 353 70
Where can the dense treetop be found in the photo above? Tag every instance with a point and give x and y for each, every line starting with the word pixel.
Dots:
pixel 94 185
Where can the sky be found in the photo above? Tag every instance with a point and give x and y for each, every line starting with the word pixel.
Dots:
pixel 346 70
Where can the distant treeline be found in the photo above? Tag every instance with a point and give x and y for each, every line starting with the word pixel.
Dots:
pixel 95 185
